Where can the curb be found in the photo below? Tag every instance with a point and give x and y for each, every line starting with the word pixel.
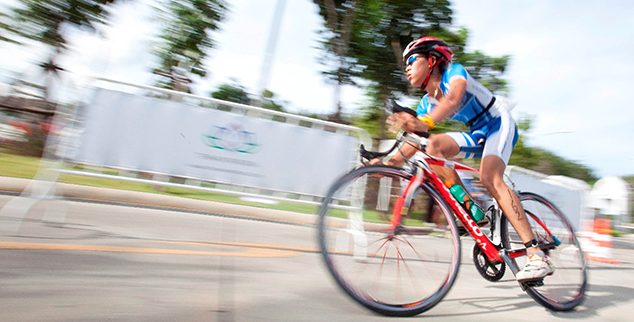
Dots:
pixel 145 199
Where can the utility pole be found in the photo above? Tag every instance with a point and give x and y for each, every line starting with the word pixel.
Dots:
pixel 269 54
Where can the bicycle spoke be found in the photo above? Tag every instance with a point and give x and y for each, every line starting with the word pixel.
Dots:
pixel 379 273
pixel 408 269
pixel 413 249
pixel 411 274
pixel 399 282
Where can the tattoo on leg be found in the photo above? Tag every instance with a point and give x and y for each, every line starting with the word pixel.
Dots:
pixel 516 208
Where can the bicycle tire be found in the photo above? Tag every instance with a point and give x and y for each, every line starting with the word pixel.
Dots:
pixel 358 252
pixel 565 289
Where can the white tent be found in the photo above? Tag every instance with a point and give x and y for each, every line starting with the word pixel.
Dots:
pixel 570 195
pixel 581 200
pixel 612 198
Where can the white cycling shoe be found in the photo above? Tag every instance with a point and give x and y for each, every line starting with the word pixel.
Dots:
pixel 536 268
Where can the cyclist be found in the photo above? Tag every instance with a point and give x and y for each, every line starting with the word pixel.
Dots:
pixel 452 92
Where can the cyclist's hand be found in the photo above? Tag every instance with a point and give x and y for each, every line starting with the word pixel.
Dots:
pixel 392 118
pixel 395 122
pixel 374 162
pixel 407 122
pixel 412 124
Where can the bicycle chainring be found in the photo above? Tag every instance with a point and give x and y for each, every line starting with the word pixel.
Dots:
pixel 491 272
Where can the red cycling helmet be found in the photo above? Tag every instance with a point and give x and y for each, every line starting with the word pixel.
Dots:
pixel 433 46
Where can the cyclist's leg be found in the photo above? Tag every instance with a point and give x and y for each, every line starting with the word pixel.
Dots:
pixel 492 177
pixel 501 137
pixel 444 146
pixel 441 146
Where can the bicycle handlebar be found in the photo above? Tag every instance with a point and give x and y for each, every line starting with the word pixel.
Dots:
pixel 373 155
pixel 402 136
pixel 395 108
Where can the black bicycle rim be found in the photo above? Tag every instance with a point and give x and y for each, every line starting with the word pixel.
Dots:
pixel 402 309
pixel 546 295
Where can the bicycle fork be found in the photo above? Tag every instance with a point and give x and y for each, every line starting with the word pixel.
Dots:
pixel 401 207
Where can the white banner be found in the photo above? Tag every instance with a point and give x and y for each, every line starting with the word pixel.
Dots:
pixel 125 131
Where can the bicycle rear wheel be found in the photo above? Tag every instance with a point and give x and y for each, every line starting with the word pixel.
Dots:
pixel 396 272
pixel 565 289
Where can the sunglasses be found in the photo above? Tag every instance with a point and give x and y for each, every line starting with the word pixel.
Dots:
pixel 411 60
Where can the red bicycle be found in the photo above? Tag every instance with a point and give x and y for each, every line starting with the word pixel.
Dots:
pixel 390 239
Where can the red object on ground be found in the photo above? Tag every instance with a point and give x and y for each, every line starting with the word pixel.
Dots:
pixel 22 125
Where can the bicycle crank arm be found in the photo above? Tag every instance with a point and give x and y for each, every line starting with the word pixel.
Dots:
pixel 504 255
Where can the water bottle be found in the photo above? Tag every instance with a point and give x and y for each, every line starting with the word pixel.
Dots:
pixel 463 198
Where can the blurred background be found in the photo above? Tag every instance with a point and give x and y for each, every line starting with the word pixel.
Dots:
pixel 322 64
pixel 566 65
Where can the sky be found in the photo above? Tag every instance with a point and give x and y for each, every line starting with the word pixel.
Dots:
pixel 570 68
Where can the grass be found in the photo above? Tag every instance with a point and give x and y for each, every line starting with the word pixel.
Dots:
pixel 18 166
pixel 616 233
pixel 27 168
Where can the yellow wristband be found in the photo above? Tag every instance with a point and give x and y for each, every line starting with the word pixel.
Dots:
pixel 428 120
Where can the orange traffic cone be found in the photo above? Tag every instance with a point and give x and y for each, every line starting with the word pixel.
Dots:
pixel 600 244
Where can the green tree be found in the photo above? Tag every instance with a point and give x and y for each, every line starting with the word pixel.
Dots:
pixel 379 34
pixel 524 156
pixel 186 38
pixel 374 38
pixel 270 103
pixel 338 18
pixel 487 70
pixel 233 93
pixel 236 93
pixel 45 20
pixel 552 164
pixel 7 32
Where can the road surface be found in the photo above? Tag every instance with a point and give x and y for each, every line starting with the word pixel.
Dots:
pixel 84 261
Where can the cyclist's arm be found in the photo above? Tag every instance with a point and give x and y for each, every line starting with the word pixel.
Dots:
pixel 449 103
pixel 446 106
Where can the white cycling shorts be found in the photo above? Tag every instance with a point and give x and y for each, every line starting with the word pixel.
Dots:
pixel 500 136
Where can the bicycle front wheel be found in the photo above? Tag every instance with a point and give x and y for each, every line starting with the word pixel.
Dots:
pixel 565 289
pixel 395 270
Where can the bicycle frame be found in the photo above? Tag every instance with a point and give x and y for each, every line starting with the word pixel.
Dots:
pixel 422 165
pixel 423 162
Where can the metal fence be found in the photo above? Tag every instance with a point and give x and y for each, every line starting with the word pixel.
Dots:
pixel 65 144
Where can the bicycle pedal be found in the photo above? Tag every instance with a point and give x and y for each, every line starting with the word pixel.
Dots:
pixel 533 283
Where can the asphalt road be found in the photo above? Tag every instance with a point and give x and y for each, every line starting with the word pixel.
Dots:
pixel 80 261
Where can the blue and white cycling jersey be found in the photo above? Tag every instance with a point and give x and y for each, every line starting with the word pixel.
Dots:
pixel 496 125
pixel 475 100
